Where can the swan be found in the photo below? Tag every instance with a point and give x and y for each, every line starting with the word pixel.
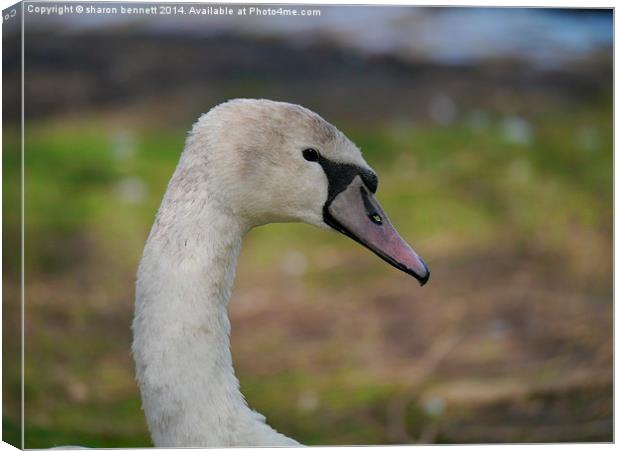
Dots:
pixel 246 162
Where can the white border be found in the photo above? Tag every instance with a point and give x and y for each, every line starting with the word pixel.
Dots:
pixel 485 3
pixel 489 3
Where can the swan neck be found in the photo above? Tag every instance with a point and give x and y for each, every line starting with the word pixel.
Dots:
pixel 181 329
pixel 181 346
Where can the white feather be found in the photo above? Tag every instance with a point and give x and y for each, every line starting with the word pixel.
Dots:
pixel 241 167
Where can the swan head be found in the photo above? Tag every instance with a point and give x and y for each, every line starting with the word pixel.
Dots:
pixel 279 162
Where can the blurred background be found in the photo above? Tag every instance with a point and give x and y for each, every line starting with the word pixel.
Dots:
pixel 491 131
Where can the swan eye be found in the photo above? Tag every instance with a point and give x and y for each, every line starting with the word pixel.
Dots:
pixel 311 154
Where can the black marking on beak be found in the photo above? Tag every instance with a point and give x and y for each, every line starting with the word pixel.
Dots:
pixel 335 224
pixel 373 214
pixel 340 175
pixel 370 179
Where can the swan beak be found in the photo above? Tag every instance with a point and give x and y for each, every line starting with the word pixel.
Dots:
pixel 356 213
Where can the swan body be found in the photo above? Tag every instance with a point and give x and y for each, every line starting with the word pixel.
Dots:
pixel 245 163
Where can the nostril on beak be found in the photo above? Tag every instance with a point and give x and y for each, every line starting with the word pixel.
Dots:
pixel 376 218
pixel 370 209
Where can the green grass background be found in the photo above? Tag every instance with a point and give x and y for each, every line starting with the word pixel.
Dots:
pixel 454 190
